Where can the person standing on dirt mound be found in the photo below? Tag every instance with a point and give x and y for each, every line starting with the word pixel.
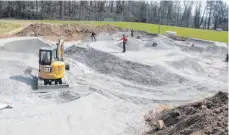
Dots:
pixel 93 37
pixel 124 39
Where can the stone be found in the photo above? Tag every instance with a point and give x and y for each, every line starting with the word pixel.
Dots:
pixel 160 124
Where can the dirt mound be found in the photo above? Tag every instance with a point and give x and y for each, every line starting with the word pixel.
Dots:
pixel 206 117
pixel 67 31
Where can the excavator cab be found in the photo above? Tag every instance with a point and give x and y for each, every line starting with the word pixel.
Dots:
pixel 46 55
pixel 52 69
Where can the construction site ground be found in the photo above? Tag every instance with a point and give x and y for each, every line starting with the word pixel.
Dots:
pixel 110 91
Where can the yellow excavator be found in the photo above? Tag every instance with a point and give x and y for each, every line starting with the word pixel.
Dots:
pixel 52 67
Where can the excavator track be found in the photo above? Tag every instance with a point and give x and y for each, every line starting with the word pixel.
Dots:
pixel 41 87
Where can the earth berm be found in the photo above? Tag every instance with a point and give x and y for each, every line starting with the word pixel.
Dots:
pixel 207 117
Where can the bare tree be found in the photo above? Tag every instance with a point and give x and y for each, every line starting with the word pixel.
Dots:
pixel 220 14
pixel 203 15
pixel 111 6
pixel 197 15
pixel 174 12
pixel 61 4
pixel 187 13
pixel 210 6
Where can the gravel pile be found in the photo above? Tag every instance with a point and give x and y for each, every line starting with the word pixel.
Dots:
pixel 109 64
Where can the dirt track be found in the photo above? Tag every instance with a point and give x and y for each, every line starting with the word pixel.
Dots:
pixel 115 89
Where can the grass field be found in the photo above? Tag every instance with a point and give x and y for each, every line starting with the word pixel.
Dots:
pixel 8 25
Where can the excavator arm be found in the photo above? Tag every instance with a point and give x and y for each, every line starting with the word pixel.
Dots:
pixel 60 49
pixel 60 52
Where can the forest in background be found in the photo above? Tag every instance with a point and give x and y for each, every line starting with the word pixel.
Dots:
pixel 213 15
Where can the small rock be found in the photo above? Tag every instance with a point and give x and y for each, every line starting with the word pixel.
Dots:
pixel 217 111
pixel 160 124
pixel 219 124
pixel 147 118
pixel 204 107
pixel 175 114
pixel 155 124
pixel 197 104
pixel 149 131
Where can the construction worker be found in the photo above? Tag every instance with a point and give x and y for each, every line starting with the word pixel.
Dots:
pixel 226 60
pixel 93 36
pixel 132 33
pixel 124 39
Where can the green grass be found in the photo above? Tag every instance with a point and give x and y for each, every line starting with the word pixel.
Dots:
pixel 152 28
pixel 7 27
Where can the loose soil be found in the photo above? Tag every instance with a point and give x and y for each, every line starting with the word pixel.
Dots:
pixel 66 31
pixel 207 117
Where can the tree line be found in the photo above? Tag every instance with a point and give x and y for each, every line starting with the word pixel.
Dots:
pixel 178 13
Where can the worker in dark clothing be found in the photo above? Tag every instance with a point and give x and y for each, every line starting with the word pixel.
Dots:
pixel 132 33
pixel 93 37
pixel 226 60
pixel 124 39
